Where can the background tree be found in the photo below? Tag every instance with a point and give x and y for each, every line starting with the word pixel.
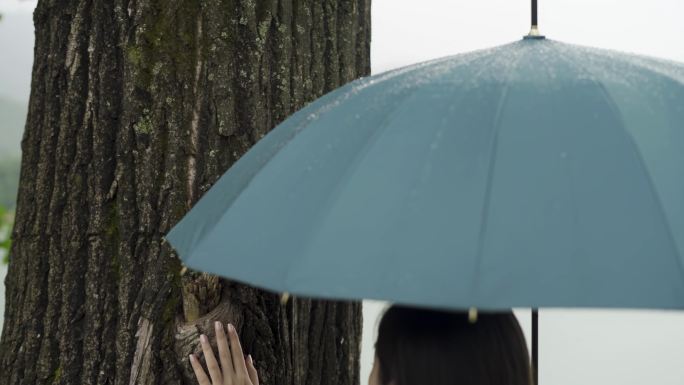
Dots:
pixel 136 108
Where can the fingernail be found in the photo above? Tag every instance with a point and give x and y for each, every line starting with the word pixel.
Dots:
pixel 218 325
pixel 251 361
pixel 191 357
pixel 231 327
pixel 203 338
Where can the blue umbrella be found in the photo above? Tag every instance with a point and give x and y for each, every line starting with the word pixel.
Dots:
pixel 532 174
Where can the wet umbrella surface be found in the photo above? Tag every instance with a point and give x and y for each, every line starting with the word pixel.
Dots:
pixel 532 174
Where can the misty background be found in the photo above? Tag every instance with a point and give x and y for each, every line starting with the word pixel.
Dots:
pixel 624 347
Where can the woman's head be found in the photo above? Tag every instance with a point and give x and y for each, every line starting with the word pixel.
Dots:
pixel 416 347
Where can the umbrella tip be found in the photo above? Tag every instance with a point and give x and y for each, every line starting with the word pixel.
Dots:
pixel 534 31
pixel 472 315
pixel 534 34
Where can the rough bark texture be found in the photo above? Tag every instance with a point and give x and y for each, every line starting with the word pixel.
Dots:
pixel 137 107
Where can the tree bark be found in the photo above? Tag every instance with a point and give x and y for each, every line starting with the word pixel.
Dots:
pixel 137 107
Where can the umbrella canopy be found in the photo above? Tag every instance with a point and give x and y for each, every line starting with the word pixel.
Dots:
pixel 533 174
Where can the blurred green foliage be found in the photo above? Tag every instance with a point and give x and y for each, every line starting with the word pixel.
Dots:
pixel 6 221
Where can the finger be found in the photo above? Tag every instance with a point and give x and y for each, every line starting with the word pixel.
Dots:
pixel 212 365
pixel 236 352
pixel 251 370
pixel 202 378
pixel 224 350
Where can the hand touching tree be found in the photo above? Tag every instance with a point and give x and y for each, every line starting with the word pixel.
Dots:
pixel 232 368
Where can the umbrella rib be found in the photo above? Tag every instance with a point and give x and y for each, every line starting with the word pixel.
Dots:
pixel 488 189
pixel 651 185
pixel 465 60
pixel 488 193
pixel 348 172
pixel 615 110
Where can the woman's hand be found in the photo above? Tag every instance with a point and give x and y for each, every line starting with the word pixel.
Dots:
pixel 234 369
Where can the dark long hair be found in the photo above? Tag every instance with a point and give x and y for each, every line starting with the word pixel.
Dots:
pixel 420 347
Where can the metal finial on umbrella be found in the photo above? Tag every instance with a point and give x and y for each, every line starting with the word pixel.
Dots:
pixel 472 315
pixel 534 30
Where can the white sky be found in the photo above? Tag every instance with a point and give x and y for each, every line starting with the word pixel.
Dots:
pixel 10 6
pixel 408 31
pixel 577 346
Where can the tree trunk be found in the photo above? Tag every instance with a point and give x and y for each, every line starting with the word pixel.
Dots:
pixel 137 107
